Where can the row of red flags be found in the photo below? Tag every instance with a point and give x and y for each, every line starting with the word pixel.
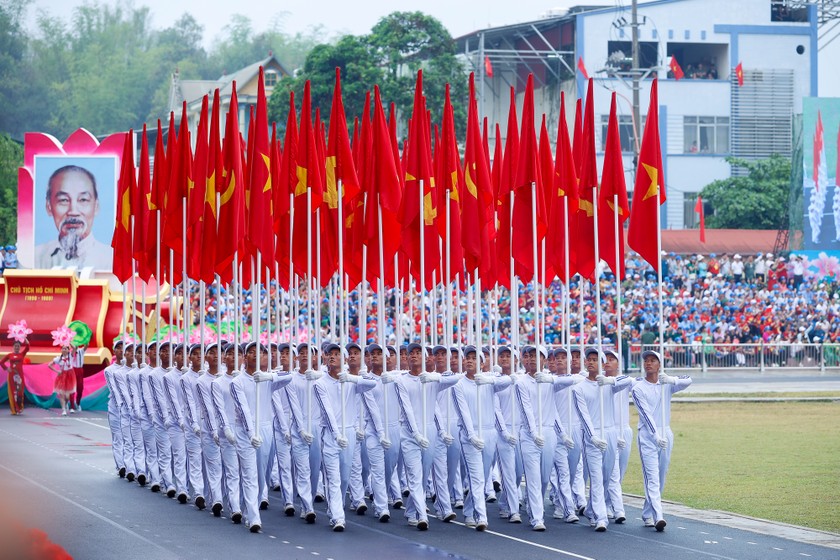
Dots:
pixel 290 199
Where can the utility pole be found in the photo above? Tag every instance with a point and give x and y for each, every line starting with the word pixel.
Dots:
pixel 634 24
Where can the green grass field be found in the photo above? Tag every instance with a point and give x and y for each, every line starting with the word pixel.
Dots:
pixel 778 461
pixel 766 394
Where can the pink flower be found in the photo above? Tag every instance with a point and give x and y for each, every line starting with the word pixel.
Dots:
pixel 62 336
pixel 19 331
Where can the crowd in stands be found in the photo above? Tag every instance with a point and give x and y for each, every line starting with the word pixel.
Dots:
pixel 700 71
pixel 8 258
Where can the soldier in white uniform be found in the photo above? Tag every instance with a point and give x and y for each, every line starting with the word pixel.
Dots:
pixel 225 414
pixel 507 447
pixel 177 425
pixel 114 405
pixel 210 440
pixel 153 387
pixel 652 396
pixel 192 428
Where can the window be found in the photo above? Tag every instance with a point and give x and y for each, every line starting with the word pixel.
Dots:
pixel 270 79
pixel 625 131
pixel 706 135
pixel 786 10
pixel 691 219
pixel 621 55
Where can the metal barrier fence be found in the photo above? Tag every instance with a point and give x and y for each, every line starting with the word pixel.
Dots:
pixel 758 357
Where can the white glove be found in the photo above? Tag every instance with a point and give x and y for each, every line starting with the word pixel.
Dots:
pixel 662 442
pixel 421 441
pixel 181 425
pixel 230 436
pixel 288 437
pixel 543 377
pixel 312 375
pixel 360 435
pixel 345 377
pixel 342 442
pixel 385 443
pixel 568 442
pixel 262 377
pixel 216 438
pixel 511 439
pixel 539 441
pixel 497 369
pixel 307 437
pixel 484 379
pixel 196 429
pixel 430 377
pixel 604 380
pixel 599 443
pixel 256 441
pixel 477 442
pixel 622 444
pixel 389 377
pixel 447 438
pixel 666 379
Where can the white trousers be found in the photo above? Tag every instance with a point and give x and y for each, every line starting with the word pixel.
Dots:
pixel 418 466
pixel 537 463
pixel 476 472
pixel 212 468
pixel 655 463
pixel 509 460
pixel 230 470
pixel 164 454
pixel 283 453
pixel 179 457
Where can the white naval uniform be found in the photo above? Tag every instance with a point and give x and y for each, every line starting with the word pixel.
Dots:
pixel 373 408
pixel 175 428
pixel 119 382
pixel 114 404
pixel 336 462
pixel 147 424
pixel 306 457
pixel 418 461
pixel 589 398
pixel 209 434
pixel 538 461
pixel 621 415
pixel 655 460
pixel 160 417
pixel 565 499
pixel 281 407
pixel 145 452
pixel 472 402
pixel 225 414
pixel 508 456
pixel 447 466
pixel 192 440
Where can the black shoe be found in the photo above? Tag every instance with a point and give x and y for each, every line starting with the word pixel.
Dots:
pixel 496 486
pixel 449 517
pixel 122 472
pixel 236 518
pixel 130 477
pixel 310 517
pixel 276 488
pixel 255 528
pixel 398 504
pixel 263 505
pixel 385 518
pixel 217 509
pixel 580 510
pixel 182 498
pixel 141 480
pixel 200 503
pixel 620 519
pixel 361 509
pixel 423 525
pixel 170 494
pixel 156 487
pixel 406 493
pixel 290 510
pixel 319 498
pixel 433 497
pixel 660 525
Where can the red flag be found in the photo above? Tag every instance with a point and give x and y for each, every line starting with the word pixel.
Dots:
pixel 141 206
pixel 588 183
pixel 340 165
pixel 232 208
pixel 285 189
pixel 582 68
pixel 197 194
pixel 676 69
pixel 562 202
pixel 354 222
pixel 155 199
pixel 309 180
pixel 180 182
pixel 698 207
pixel 209 237
pixel 327 216
pixel 649 191
pixel 739 73
pixel 613 188
pixel 577 140
pixel 418 171
pixel 488 67
pixel 527 176
pixel 258 201
pixel 477 200
pixel 507 177
pixel 121 242
pixel 452 178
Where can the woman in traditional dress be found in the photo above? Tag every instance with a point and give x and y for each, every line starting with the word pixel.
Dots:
pixel 13 364
pixel 65 381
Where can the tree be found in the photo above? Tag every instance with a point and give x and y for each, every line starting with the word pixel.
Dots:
pixel 18 83
pixel 758 200
pixel 11 157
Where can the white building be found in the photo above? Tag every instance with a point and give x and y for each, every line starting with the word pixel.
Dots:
pixel 704 117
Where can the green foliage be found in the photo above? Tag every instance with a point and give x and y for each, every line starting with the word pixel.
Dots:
pixel 758 200
pixel 11 157
pixel 397 47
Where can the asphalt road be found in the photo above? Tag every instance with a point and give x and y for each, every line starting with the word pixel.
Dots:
pixel 57 474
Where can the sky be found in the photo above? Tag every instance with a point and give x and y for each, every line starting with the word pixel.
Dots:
pixel 342 16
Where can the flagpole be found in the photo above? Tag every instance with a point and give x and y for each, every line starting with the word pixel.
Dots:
pixel 398 312
pixel 237 311
pixel 293 293
pixel 567 307
pixel 581 341
pixel 255 321
pixel 185 281
pixel 173 317
pixel 661 303
pixel 597 286
pixel 316 298
pixel 514 316
pixel 157 275
pixel 536 302
pixel 422 221
pixel 201 303
pixel 478 351
pixel 618 250
pixel 134 290
pixel 309 308
pixel 218 290
pixel 449 318
pixel 381 309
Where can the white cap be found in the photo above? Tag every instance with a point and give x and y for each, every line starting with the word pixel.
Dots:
pixel 737 256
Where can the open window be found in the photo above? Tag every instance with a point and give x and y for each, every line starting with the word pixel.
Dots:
pixel 700 61
pixel 788 11
pixel 621 55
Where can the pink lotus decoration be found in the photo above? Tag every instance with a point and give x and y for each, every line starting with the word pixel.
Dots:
pixel 19 331
pixel 210 336
pixel 826 266
pixel 62 336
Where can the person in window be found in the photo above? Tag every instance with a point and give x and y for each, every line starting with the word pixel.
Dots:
pixel 693 149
